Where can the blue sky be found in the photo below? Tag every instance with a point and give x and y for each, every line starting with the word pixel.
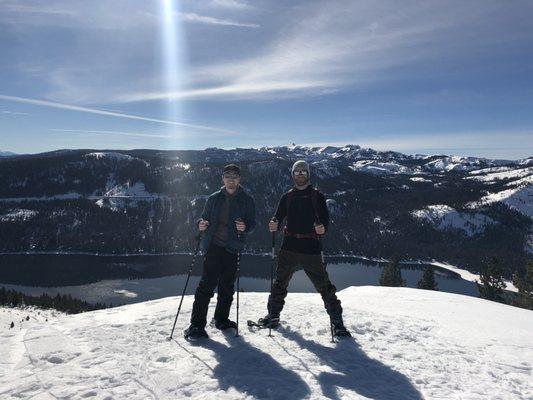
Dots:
pixel 447 77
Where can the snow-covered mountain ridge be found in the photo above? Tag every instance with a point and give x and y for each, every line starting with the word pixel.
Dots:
pixel 432 163
pixel 382 202
pixel 408 344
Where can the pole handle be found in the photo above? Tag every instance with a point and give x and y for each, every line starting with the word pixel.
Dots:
pixel 273 219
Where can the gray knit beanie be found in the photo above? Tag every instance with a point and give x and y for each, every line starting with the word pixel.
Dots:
pixel 301 165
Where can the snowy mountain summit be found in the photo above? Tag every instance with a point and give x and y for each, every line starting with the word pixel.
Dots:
pixel 6 153
pixel 408 344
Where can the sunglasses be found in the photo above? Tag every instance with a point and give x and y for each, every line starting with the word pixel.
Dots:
pixel 298 173
pixel 231 176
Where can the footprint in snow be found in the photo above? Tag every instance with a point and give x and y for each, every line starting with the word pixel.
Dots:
pixel 55 360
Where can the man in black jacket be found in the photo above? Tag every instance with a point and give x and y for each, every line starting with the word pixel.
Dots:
pixel 307 219
pixel 228 215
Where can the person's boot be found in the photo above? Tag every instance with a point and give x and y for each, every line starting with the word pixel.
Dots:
pixel 227 324
pixel 194 333
pixel 339 330
pixel 269 321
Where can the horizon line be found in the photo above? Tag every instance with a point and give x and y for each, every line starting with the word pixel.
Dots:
pixel 13 154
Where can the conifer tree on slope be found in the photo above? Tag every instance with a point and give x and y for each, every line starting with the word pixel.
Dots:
pixel 392 275
pixel 491 283
pixel 428 280
pixel 524 284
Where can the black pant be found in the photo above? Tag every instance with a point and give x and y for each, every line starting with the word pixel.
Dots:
pixel 220 268
pixel 315 270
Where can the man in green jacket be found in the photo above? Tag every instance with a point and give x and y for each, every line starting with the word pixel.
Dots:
pixel 228 215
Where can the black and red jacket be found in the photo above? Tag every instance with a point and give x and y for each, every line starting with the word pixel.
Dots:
pixel 302 209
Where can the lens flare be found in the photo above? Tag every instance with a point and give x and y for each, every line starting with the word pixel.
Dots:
pixel 173 56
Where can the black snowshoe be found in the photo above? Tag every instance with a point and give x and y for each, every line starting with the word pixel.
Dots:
pixel 194 333
pixel 339 330
pixel 227 324
pixel 265 322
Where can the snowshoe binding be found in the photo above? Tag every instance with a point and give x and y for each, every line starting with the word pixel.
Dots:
pixel 194 333
pixel 265 322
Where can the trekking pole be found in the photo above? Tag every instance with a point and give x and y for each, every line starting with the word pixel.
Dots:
pixel 317 222
pixel 238 280
pixel 198 240
pixel 272 270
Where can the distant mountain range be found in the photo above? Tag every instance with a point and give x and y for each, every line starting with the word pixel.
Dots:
pixel 6 154
pixel 456 209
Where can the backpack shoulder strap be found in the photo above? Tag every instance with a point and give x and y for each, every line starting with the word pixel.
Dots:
pixel 290 195
pixel 314 201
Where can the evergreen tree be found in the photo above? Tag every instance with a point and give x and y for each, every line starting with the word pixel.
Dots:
pixel 12 325
pixel 524 284
pixel 428 280
pixel 392 275
pixel 65 303
pixel 491 283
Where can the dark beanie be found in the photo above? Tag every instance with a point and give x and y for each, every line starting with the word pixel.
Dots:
pixel 232 168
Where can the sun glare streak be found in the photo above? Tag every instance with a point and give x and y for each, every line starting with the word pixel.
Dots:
pixel 173 56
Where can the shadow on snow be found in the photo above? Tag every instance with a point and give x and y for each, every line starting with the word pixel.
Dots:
pixel 252 371
pixel 354 370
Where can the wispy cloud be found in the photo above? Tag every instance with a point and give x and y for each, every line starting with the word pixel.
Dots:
pixel 230 4
pixel 71 107
pixel 303 49
pixel 192 17
pixel 13 112
pixel 308 49
pixel 236 90
pixel 174 135
pixel 117 133
pixel 328 49
pixel 32 9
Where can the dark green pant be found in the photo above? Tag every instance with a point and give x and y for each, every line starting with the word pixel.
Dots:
pixel 312 264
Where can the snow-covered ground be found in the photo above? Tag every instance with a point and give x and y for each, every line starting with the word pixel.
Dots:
pixel 110 155
pixel 420 179
pixel 18 214
pixel 380 168
pixel 408 344
pixel 518 199
pixel 444 217
pixel 64 196
pixel 458 163
pixel 503 173
pixel 469 276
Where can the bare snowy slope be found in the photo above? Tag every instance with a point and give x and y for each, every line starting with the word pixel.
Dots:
pixel 408 344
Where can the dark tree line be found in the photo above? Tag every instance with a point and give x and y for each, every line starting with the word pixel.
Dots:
pixel 491 284
pixel 65 303
pixel 392 276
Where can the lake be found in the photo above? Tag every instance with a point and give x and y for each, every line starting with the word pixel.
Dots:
pixel 130 279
